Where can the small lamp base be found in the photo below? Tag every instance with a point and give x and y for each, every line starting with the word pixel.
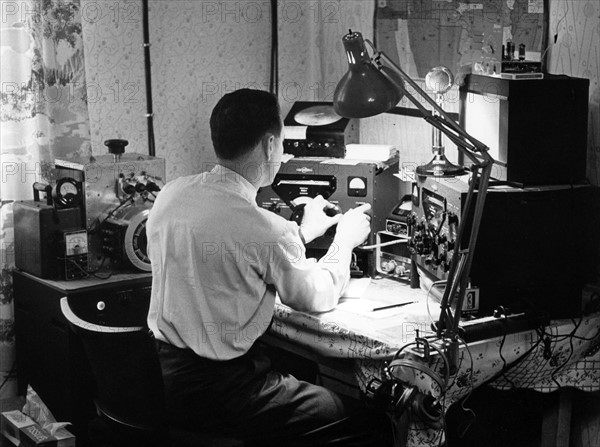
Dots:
pixel 440 167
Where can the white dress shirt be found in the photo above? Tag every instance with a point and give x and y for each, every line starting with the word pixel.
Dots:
pixel 218 259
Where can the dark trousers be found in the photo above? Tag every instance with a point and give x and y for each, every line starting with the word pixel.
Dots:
pixel 246 398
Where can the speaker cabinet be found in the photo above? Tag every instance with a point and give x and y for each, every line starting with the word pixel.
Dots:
pixel 536 129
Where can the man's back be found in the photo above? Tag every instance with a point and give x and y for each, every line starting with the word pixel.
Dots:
pixel 210 247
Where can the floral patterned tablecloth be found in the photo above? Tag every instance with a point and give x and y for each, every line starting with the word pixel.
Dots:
pixel 564 353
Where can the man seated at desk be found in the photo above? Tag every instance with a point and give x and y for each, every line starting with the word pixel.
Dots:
pixel 218 260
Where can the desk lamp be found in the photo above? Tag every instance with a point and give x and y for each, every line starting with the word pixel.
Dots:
pixel 375 84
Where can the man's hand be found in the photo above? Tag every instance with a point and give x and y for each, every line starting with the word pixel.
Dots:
pixel 316 221
pixel 354 226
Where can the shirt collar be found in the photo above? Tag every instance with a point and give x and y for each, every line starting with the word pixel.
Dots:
pixel 222 174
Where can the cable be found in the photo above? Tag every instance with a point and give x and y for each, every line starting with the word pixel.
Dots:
pixel 563 364
pixel 556 338
pixel 504 363
pixel 561 337
pixel 397 361
pixel 88 273
pixel 9 374
pixel 97 226
pixel 383 244
pixel 107 276
pixel 515 363
pixel 469 393
pixel 442 431
pixel 273 80
pixel 148 73
pixel 79 267
pixel 561 19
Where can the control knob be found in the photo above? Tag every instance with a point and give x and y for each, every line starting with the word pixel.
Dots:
pixel 400 270
pixel 116 147
pixel 388 266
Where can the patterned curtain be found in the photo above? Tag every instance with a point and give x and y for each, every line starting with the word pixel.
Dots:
pixel 311 56
pixel 43 116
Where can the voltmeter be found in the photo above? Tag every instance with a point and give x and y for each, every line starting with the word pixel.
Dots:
pixel 67 193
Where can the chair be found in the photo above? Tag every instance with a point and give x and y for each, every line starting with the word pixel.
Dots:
pixel 129 396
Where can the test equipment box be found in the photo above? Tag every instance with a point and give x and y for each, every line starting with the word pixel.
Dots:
pixel 50 242
pixel 117 195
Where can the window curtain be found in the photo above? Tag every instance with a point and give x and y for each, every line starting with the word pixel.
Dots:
pixel 43 116
pixel 311 56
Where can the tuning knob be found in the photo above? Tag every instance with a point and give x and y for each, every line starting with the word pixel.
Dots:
pixel 152 187
pixel 388 266
pixel 400 270
pixel 452 219
pixel 116 147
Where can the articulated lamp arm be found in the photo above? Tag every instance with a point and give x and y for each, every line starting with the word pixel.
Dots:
pixel 366 91
pixel 474 149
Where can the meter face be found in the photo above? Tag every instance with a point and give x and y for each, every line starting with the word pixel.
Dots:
pixel 67 193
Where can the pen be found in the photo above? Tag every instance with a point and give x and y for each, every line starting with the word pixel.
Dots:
pixel 393 305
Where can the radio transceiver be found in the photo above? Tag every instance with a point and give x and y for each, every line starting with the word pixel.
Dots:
pixel 313 129
pixel 520 261
pixel 345 185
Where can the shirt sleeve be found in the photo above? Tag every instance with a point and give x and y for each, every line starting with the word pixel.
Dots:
pixel 302 283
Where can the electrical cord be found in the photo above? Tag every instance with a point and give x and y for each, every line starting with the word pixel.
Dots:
pixel 433 284
pixel 469 393
pixel 148 76
pixel 398 362
pixel 557 338
pixel 99 224
pixel 504 363
pixel 383 244
pixel 274 75
pixel 562 337
pixel 552 375
pixel 95 272
pixel 507 368
pixel 88 273
pixel 9 375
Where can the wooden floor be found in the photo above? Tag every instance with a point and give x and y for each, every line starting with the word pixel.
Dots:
pixel 515 418
pixel 502 418
pixel 585 427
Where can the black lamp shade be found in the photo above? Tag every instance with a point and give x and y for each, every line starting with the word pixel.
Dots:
pixel 364 90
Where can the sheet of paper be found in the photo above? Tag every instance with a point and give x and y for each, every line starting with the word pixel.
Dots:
pixel 340 161
pixel 286 157
pixel 356 287
pixel 295 132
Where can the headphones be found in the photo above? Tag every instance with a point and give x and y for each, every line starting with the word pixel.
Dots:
pixel 398 396
pixel 423 407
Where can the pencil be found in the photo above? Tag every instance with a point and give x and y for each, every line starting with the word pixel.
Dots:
pixel 393 305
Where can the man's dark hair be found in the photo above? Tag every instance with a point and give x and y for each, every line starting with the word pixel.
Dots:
pixel 240 119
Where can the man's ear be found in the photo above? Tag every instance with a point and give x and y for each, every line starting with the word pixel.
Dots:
pixel 268 145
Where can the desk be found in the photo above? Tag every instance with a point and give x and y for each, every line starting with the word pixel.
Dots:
pixel 50 356
pixel 565 354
